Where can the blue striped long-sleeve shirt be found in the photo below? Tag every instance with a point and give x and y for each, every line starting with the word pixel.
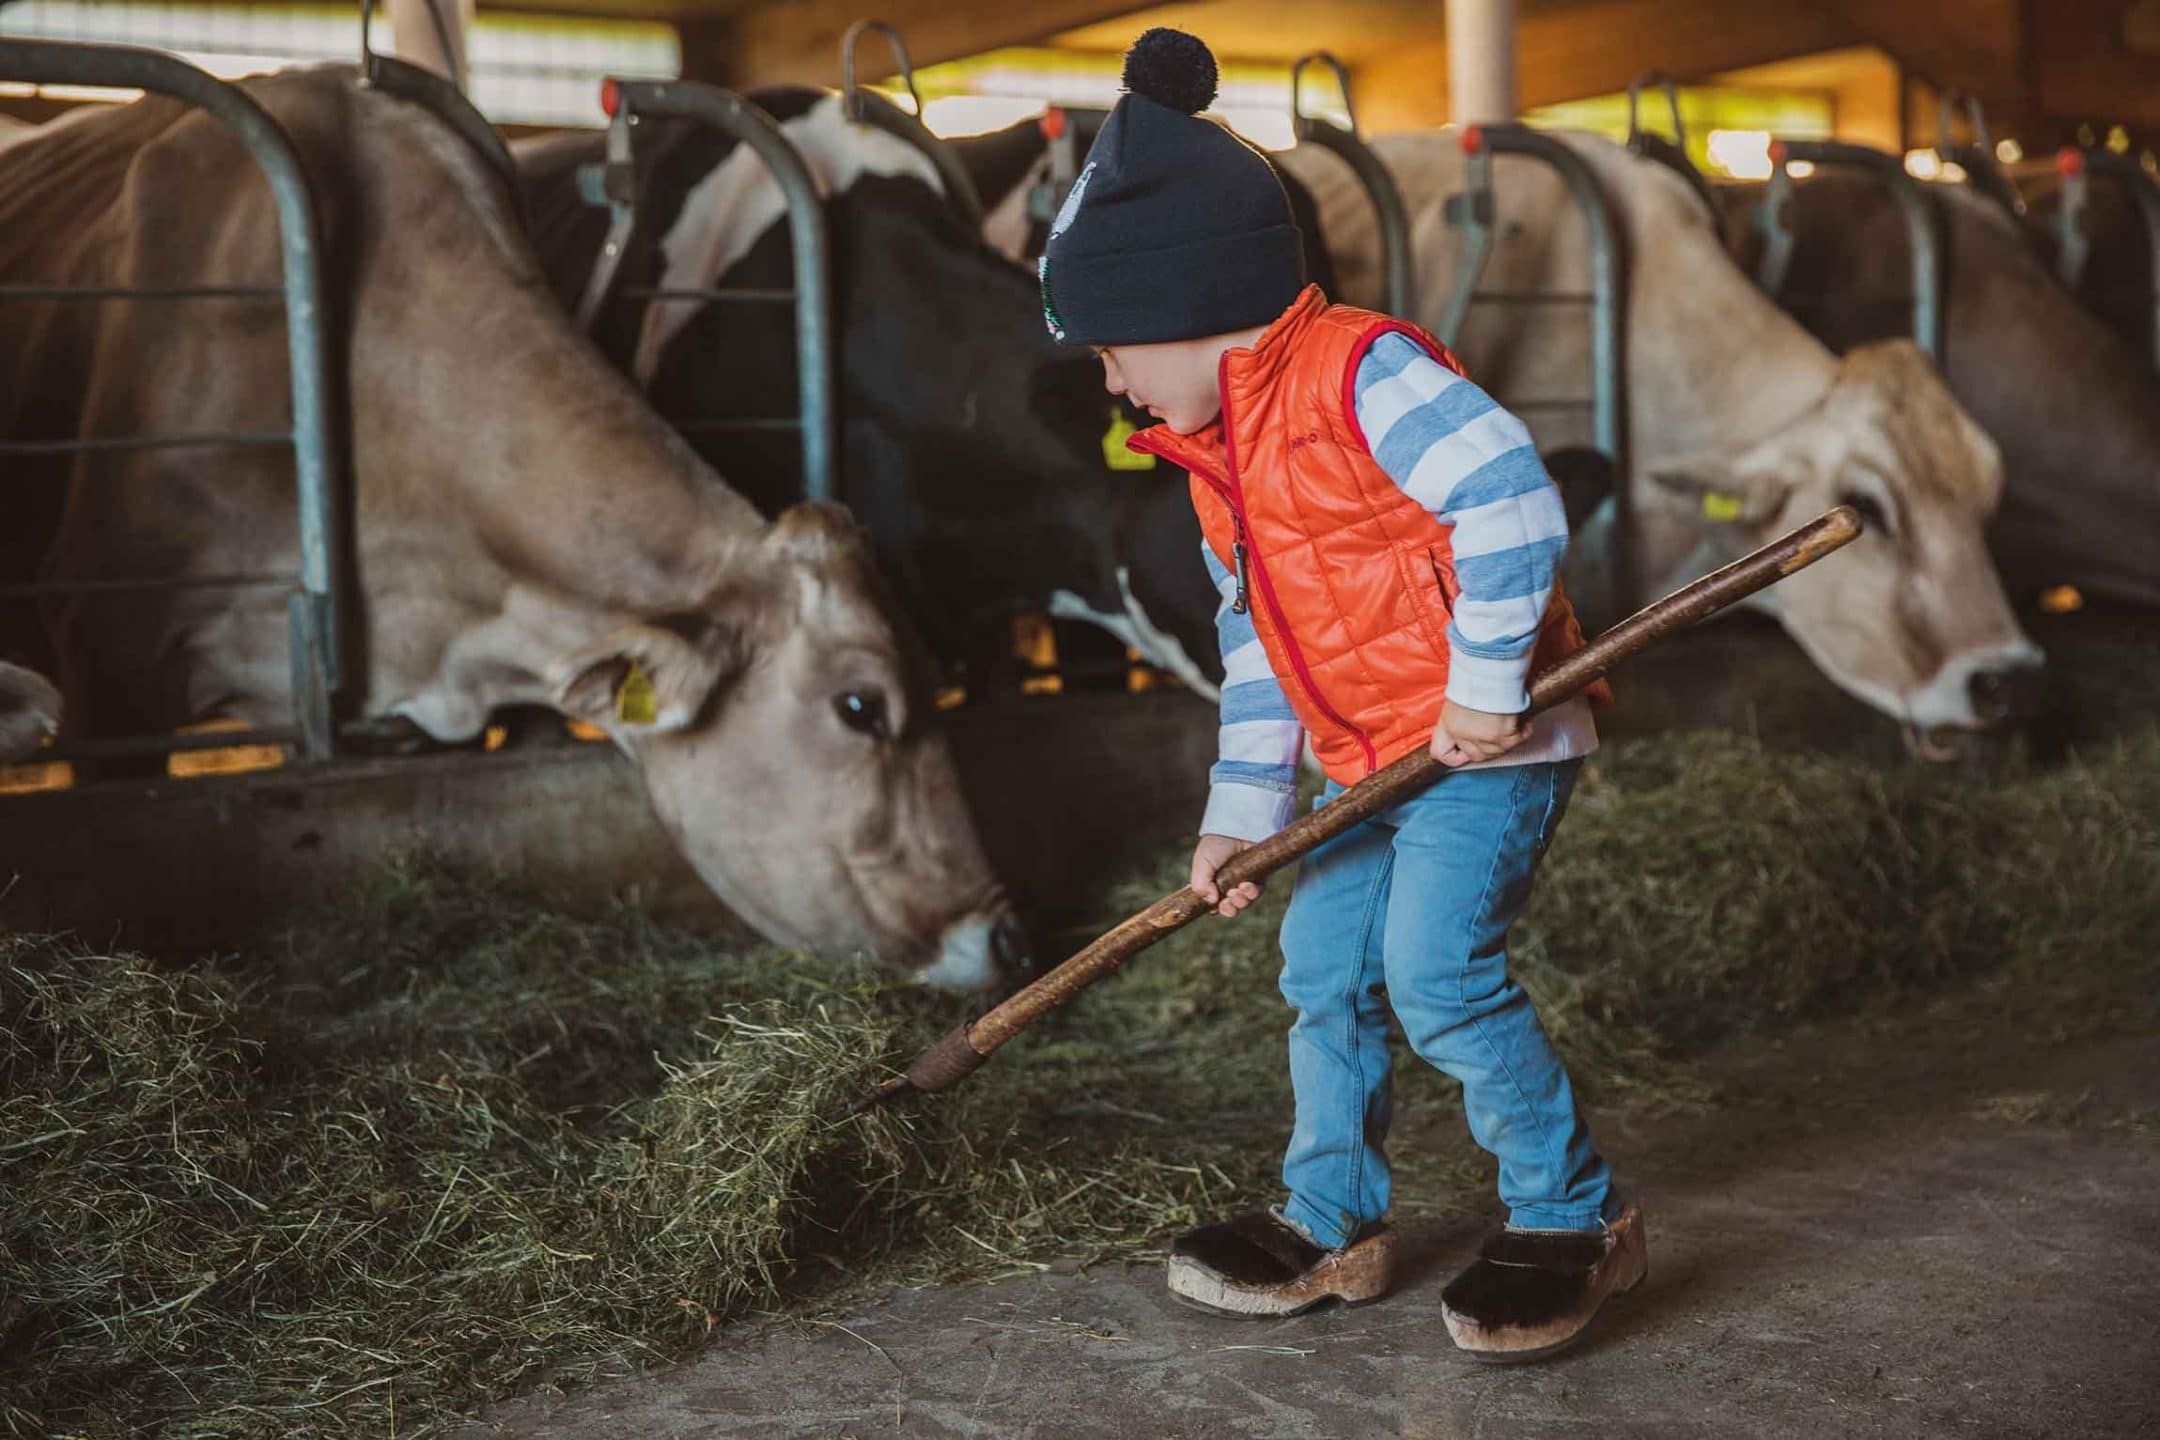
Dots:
pixel 1474 467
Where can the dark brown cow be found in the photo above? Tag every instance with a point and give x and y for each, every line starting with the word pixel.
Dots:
pixel 528 531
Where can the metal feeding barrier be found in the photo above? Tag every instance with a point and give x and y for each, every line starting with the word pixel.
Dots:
pixel 1923 232
pixel 1975 155
pixel 2078 164
pixel 1350 147
pixel 1475 210
pixel 867 107
pixel 444 96
pixel 318 601
pixel 1672 154
pixel 619 184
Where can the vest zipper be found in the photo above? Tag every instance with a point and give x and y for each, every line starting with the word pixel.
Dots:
pixel 1238 605
pixel 1234 494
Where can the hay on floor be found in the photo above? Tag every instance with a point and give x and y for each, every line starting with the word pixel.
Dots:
pixel 443 1143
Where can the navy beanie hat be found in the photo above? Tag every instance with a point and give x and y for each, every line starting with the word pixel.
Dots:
pixel 1176 229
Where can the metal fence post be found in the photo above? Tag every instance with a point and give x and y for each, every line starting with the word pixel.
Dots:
pixel 2078 165
pixel 867 107
pixel 316 607
pixel 1380 187
pixel 1922 227
pixel 1475 210
pixel 627 103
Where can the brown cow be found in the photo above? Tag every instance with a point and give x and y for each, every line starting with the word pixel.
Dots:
pixel 1741 425
pixel 2075 413
pixel 527 530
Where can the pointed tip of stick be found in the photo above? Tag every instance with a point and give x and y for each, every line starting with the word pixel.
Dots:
pixel 871 1099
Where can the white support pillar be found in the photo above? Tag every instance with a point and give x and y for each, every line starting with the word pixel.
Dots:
pixel 419 34
pixel 1481 60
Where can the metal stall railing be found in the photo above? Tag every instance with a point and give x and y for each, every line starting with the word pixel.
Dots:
pixel 440 94
pixel 619 185
pixel 1672 154
pixel 867 107
pixel 1475 211
pixel 317 604
pixel 1923 231
pixel 1975 155
pixel 1347 144
pixel 2078 165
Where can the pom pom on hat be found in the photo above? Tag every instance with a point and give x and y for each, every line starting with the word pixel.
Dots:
pixel 1171 68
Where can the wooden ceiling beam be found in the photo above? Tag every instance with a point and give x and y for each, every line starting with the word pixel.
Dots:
pixel 797 42
pixel 2085 70
pixel 1969 45
pixel 1597 49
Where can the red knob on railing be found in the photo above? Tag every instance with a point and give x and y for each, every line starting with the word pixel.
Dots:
pixel 2070 160
pixel 610 97
pixel 1052 123
pixel 1473 139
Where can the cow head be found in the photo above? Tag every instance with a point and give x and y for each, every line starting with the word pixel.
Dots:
pixel 790 747
pixel 29 711
pixel 1911 616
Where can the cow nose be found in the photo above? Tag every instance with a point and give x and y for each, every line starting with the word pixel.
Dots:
pixel 2006 693
pixel 1013 948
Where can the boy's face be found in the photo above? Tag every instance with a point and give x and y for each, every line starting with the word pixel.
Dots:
pixel 1174 381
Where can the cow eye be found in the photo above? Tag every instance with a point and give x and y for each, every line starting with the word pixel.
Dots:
pixel 865 711
pixel 1869 509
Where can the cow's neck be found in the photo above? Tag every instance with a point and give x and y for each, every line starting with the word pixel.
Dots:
pixel 1712 365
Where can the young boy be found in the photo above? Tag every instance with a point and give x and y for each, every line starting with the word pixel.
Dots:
pixel 1385 540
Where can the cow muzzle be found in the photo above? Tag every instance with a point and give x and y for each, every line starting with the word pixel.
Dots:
pixel 981 952
pixel 1989 695
pixel 2006 694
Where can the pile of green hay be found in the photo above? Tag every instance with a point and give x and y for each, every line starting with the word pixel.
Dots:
pixel 444 1143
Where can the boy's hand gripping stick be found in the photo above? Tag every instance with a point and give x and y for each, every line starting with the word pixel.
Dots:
pixel 967 1046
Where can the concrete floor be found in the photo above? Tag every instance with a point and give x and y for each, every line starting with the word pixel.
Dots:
pixel 1870 1238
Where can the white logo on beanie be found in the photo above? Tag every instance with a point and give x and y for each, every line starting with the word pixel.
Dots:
pixel 1071 207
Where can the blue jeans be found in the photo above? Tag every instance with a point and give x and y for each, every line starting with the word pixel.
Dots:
pixel 1411 909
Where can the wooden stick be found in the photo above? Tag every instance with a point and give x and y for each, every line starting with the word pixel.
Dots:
pixel 967 1046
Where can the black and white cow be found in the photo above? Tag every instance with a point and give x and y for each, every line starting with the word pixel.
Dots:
pixel 985 461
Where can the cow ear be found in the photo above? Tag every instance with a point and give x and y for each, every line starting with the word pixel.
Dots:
pixel 1713 492
pixel 29 711
pixel 645 679
pixel 816 533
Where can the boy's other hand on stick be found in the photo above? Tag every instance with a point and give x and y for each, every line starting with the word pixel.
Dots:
pixel 1209 856
pixel 1464 736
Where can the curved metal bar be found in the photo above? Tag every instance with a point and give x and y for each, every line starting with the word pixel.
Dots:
pixel 1342 83
pixel 867 107
pixel 1672 154
pixel 853 93
pixel 1923 226
pixel 2078 165
pixel 1975 157
pixel 425 88
pixel 1380 187
pixel 317 607
pixel 873 109
pixel 1607 297
pixel 735 115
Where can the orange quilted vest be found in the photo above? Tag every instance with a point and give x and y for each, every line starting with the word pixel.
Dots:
pixel 1351 580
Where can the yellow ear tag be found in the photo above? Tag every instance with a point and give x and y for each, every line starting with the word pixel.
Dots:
pixel 635 703
pixel 1717 505
pixel 1114 453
